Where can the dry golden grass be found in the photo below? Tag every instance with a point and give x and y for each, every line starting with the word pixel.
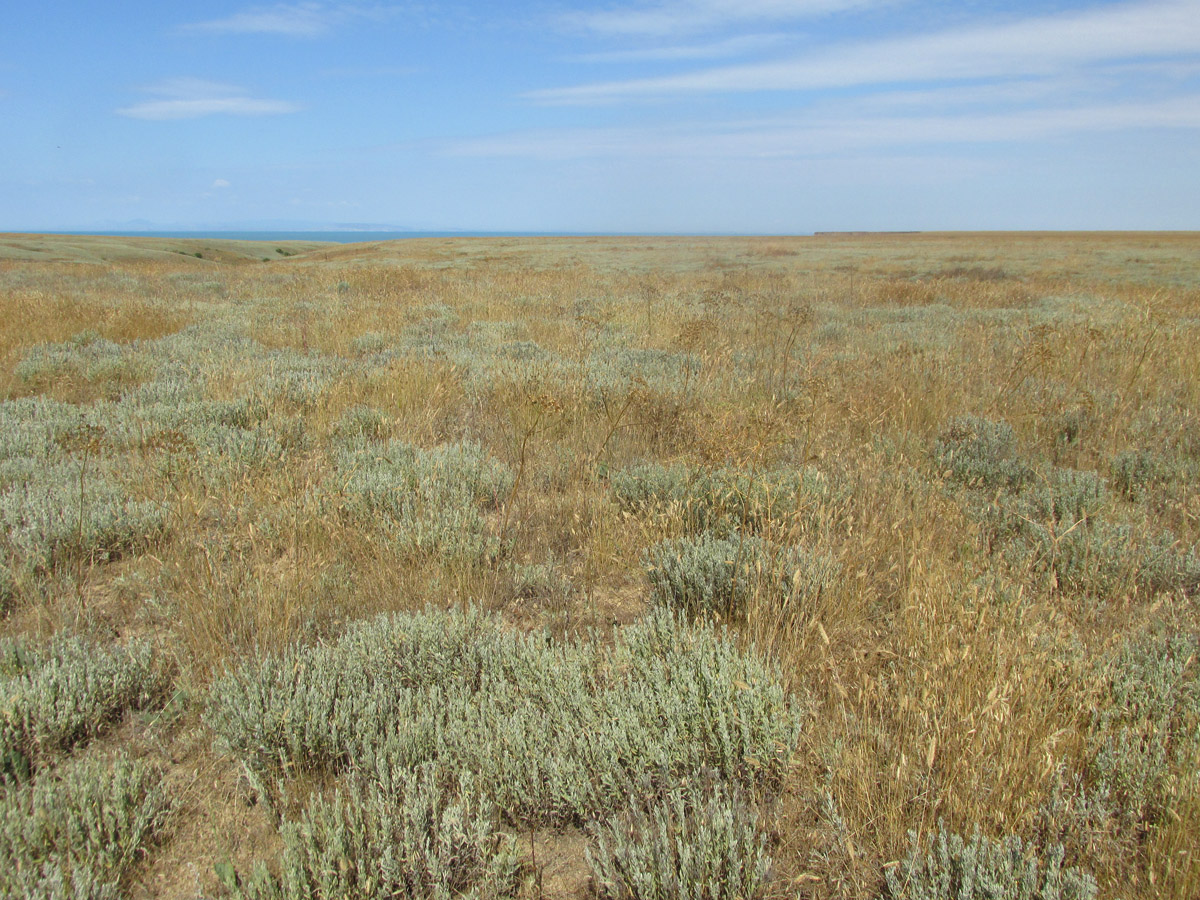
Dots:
pixel 944 682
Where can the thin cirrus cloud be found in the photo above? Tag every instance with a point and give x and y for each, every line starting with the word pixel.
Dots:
pixel 301 20
pixel 734 46
pixel 812 136
pixel 193 98
pixel 688 16
pixel 1032 46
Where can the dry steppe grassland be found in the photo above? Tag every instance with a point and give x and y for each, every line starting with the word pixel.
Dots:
pixel 846 566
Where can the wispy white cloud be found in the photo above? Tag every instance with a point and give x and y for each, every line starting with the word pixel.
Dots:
pixel 1176 69
pixel 734 46
pixel 168 110
pixel 1030 46
pixel 811 136
pixel 291 19
pixel 192 98
pixel 221 183
pixel 688 16
pixel 1003 94
pixel 300 20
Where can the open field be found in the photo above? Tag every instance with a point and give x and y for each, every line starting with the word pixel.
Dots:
pixel 616 567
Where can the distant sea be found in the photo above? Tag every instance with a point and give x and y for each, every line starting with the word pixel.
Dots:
pixel 338 237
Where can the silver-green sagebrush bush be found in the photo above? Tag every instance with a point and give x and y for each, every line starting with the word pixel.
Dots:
pixel 86 357
pixel 1164 565
pixel 978 452
pixel 1064 499
pixel 416 834
pixel 74 833
pixel 298 380
pixel 1058 521
pixel 370 343
pixel 361 422
pixel 611 372
pixel 1061 524
pixel 694 842
pixel 1142 759
pixel 430 502
pixel 235 451
pixel 74 510
pixel 704 575
pixel 64 694
pixel 1134 472
pixel 1066 533
pixel 554 731
pixel 60 499
pixel 30 430
pixel 985 869
pixel 1147 734
pixel 708 575
pixel 726 707
pixel 1115 560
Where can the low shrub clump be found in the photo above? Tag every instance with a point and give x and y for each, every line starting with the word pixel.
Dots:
pixel 361 423
pixel 1148 731
pixel 1063 527
pixel 554 732
pixel 442 728
pixel 417 834
pixel 698 842
pixel 985 869
pixel 708 575
pixel 74 510
pixel 1134 472
pixel 980 453
pixel 1061 523
pixel 430 502
pixel 497 693
pixel 76 832
pixel 63 695
pixel 86 358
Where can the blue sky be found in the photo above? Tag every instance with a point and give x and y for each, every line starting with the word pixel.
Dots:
pixel 760 116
